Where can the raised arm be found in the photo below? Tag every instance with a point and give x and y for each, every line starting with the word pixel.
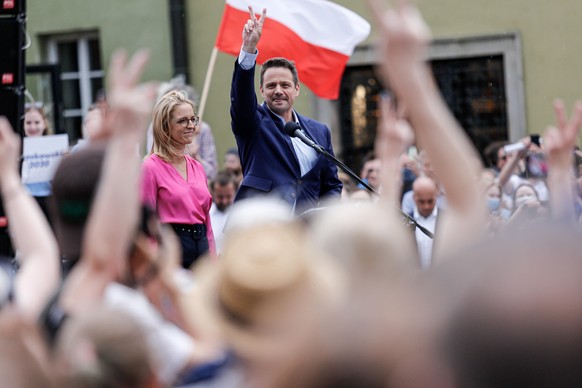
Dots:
pixel 114 214
pixel 31 234
pixel 252 31
pixel 392 137
pixel 559 142
pixel 510 166
pixel 242 92
pixel 405 38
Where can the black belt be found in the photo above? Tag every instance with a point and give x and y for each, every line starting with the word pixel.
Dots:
pixel 196 230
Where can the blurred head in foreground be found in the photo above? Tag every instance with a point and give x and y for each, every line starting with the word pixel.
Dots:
pixel 104 348
pixel 24 357
pixel 518 322
pixel 381 334
pixel 266 286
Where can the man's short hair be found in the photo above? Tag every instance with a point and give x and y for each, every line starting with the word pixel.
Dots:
pixel 518 323
pixel 232 151
pixel 223 178
pixel 280 62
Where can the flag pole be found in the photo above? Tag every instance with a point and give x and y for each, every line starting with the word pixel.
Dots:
pixel 207 81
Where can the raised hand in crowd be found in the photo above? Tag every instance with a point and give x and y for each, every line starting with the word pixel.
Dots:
pixel 38 253
pixel 392 137
pixel 509 168
pixel 404 40
pixel 253 30
pixel 559 142
pixel 115 211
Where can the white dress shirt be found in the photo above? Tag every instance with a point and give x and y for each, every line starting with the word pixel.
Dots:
pixel 423 242
pixel 218 220
pixel 306 156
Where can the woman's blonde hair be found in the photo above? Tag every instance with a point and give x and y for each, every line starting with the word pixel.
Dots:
pixel 164 146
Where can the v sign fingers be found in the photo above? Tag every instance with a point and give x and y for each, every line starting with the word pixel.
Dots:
pixel 262 18
pixel 559 141
pixel 560 111
pixel 253 30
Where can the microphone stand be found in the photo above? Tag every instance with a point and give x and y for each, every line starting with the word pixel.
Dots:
pixel 346 169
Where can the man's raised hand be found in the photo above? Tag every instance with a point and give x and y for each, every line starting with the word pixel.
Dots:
pixel 130 102
pixel 252 31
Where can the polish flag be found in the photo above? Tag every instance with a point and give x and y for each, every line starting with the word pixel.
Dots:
pixel 320 36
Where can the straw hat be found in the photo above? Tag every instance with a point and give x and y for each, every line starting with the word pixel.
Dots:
pixel 266 286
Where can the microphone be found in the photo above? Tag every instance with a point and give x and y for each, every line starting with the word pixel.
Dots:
pixel 293 129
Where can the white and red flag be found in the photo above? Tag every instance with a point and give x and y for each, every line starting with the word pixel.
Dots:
pixel 319 35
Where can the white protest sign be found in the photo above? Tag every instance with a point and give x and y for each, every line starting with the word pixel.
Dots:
pixel 41 157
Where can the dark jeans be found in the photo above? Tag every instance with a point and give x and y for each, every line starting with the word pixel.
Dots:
pixel 194 242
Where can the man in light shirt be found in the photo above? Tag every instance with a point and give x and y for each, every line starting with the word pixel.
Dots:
pixel 426 212
pixel 273 162
pixel 223 188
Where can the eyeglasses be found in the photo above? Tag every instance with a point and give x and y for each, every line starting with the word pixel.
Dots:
pixel 186 121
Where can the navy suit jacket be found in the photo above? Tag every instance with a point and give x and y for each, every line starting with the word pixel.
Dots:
pixel 267 156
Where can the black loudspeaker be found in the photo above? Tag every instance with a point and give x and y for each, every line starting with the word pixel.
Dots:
pixel 12 106
pixel 12 7
pixel 6 249
pixel 11 54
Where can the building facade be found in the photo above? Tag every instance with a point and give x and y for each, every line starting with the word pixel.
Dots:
pixel 499 63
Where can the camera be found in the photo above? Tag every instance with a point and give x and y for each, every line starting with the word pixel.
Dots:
pixel 536 165
pixel 515 147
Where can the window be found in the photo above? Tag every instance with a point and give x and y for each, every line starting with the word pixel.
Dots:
pixel 481 79
pixel 79 57
pixel 359 96
pixel 474 89
pixel 499 60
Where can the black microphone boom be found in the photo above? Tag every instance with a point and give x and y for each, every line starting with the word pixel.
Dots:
pixel 293 129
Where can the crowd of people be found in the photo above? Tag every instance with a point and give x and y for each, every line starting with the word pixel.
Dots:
pixel 278 271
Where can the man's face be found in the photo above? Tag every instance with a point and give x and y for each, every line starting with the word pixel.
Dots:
pixel 425 200
pixel 279 90
pixel 223 196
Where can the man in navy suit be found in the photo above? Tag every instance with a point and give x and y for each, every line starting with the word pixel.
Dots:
pixel 272 161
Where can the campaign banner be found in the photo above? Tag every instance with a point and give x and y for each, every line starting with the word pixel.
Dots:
pixel 41 157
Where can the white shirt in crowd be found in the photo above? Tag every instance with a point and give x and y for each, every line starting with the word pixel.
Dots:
pixel 423 242
pixel 218 220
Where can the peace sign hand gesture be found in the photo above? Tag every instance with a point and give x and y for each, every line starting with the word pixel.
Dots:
pixel 252 31
pixel 560 140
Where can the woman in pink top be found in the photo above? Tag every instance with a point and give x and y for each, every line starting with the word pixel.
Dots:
pixel 173 183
